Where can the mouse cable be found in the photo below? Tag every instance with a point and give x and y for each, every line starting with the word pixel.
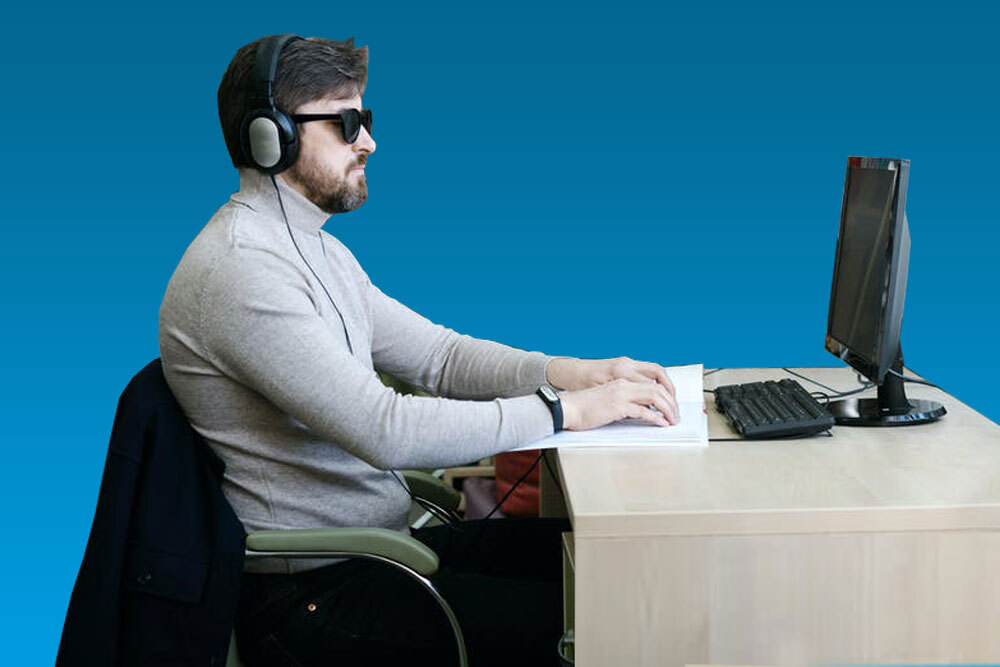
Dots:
pixel 311 270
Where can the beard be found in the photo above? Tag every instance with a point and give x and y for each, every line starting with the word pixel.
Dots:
pixel 326 190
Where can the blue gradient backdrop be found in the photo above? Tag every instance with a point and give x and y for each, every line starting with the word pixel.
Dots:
pixel 663 183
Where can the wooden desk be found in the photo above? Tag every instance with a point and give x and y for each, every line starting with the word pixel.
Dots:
pixel 874 545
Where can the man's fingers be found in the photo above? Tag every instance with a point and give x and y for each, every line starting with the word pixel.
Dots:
pixel 645 372
pixel 674 415
pixel 656 396
pixel 666 405
pixel 658 374
pixel 638 376
pixel 647 414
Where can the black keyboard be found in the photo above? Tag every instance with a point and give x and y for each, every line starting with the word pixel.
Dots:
pixel 772 409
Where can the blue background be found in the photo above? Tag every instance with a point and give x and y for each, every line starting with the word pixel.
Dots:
pixel 591 181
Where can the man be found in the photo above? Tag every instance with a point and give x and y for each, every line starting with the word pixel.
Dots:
pixel 271 335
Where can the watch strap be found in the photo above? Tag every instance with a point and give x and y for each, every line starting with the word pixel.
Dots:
pixel 551 399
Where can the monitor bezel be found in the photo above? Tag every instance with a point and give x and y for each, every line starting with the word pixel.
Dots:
pixel 890 318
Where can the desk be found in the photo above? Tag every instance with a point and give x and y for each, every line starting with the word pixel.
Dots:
pixel 874 545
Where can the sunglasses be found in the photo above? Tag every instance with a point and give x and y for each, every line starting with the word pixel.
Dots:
pixel 351 121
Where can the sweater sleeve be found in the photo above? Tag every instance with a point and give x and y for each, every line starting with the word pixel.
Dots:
pixel 262 328
pixel 445 363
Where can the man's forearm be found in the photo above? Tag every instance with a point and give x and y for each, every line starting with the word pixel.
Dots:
pixel 481 369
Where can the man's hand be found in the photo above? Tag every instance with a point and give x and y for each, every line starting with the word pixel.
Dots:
pixel 572 374
pixel 618 399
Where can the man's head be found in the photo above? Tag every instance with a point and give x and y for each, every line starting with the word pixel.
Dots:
pixel 313 76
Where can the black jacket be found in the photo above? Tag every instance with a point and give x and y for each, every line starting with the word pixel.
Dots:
pixel 160 577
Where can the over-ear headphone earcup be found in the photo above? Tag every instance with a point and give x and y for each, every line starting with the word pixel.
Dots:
pixel 289 133
pixel 270 140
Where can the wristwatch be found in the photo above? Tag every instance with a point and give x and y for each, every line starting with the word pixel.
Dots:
pixel 551 399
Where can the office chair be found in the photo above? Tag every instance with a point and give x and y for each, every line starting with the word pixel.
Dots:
pixel 155 573
pixel 390 547
pixel 405 553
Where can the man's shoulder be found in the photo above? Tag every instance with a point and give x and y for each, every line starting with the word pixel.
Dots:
pixel 332 241
pixel 239 225
pixel 234 228
pixel 234 250
pixel 342 253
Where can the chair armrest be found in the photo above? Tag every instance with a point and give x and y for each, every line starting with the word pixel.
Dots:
pixel 429 487
pixel 346 542
pixel 400 386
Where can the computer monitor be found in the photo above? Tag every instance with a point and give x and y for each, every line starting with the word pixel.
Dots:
pixel 869 287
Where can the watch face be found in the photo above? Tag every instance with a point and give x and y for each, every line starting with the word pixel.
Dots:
pixel 549 394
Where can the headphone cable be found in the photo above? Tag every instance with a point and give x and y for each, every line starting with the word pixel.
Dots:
pixel 311 270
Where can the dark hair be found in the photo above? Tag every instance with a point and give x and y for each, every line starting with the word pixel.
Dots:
pixel 308 70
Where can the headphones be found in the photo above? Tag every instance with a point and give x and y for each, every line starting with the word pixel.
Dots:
pixel 268 137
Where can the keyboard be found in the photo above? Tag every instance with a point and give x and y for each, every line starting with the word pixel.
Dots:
pixel 771 409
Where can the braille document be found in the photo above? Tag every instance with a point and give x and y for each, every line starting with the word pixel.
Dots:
pixel 692 430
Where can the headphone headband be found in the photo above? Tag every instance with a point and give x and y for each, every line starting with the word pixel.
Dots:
pixel 269 138
pixel 265 66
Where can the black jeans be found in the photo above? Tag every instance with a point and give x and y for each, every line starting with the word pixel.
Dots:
pixel 503 579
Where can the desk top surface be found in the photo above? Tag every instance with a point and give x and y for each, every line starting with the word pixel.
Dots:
pixel 939 476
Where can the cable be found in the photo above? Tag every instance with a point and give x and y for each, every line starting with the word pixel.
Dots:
pixel 714 370
pixel 433 510
pixel 814 394
pixel 555 477
pixel 800 375
pixel 842 394
pixel 833 392
pixel 827 433
pixel 447 520
pixel 436 512
pixel 867 384
pixel 516 484
pixel 905 378
pixel 483 521
pixel 297 249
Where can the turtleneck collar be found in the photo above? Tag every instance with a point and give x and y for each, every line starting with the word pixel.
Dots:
pixel 257 192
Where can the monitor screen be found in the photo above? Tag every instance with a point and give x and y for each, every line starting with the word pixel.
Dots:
pixel 861 282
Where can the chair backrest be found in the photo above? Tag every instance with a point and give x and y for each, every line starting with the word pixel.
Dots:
pixel 161 571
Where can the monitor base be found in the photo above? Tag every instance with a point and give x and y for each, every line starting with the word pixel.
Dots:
pixel 891 408
pixel 868 412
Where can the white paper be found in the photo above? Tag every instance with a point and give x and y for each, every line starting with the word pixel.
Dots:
pixel 691 430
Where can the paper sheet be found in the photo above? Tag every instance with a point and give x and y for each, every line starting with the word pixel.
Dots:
pixel 692 430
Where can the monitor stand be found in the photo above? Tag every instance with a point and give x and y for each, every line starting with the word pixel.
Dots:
pixel 891 408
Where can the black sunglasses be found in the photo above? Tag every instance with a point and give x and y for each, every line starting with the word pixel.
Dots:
pixel 351 121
